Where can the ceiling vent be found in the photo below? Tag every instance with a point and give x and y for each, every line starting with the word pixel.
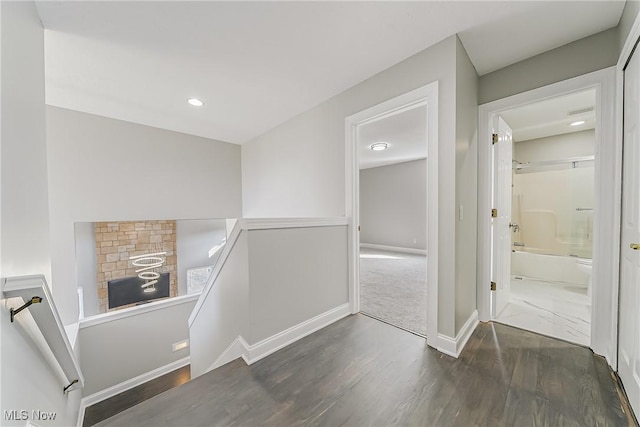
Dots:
pixel 580 111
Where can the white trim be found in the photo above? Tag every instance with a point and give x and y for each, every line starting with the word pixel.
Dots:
pixel 99 319
pixel 629 44
pixel 264 348
pixel 276 223
pixel 251 353
pixel 238 348
pixel 394 249
pixel 607 197
pixel 454 346
pixel 425 95
pixel 101 395
pixel 625 54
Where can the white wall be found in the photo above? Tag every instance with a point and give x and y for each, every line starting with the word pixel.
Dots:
pixel 223 316
pixel 393 205
pixel 295 274
pixel 25 210
pixel 194 239
pixel 27 382
pixel 103 169
pixel 548 220
pixel 87 266
pixel 297 169
pixel 466 187
pixel 574 59
pixel 575 144
pixel 122 348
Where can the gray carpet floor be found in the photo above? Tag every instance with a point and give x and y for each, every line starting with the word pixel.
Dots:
pixel 393 288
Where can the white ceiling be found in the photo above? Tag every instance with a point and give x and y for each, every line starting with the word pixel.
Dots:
pixel 406 136
pixel 257 64
pixel 551 117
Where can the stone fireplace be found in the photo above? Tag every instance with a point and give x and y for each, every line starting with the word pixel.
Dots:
pixel 117 241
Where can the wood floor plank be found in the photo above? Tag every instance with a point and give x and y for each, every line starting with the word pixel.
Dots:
pixel 361 372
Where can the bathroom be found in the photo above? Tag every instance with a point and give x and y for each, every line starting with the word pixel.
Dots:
pixel 552 213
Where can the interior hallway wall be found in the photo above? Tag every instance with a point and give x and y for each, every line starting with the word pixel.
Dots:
pixel 466 234
pixel 28 381
pixel 574 59
pixel 297 169
pixel 103 169
pixel 393 205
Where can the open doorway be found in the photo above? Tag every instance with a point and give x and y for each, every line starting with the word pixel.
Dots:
pixel 544 159
pixel 424 98
pixel 393 219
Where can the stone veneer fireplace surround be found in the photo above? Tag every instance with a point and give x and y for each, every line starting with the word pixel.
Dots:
pixel 117 241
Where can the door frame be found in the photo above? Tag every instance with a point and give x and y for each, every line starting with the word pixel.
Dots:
pixel 607 197
pixel 625 55
pixel 423 96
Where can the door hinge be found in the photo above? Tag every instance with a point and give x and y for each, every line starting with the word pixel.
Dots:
pixel 493 286
pixel 358 228
pixel 494 213
pixel 494 138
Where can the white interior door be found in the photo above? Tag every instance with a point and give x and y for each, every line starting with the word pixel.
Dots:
pixel 501 271
pixel 629 315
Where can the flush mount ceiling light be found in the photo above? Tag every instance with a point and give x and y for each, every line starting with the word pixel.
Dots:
pixel 578 123
pixel 379 146
pixel 195 102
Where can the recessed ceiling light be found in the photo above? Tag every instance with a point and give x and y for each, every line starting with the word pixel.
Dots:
pixel 578 123
pixel 195 102
pixel 379 146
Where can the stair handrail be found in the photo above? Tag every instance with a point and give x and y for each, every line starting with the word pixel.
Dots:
pixel 41 305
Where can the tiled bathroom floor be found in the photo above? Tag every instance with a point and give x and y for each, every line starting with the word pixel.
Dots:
pixel 560 310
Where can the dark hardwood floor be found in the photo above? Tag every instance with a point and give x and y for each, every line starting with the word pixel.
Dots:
pixel 130 398
pixel 361 372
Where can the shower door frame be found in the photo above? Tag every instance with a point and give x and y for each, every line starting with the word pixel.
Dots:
pixel 607 197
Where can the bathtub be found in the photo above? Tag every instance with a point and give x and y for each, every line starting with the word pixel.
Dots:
pixel 552 268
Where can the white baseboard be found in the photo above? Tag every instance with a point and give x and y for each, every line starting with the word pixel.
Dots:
pixel 453 346
pixel 282 339
pixel 128 384
pixel 235 350
pixel 251 353
pixel 394 249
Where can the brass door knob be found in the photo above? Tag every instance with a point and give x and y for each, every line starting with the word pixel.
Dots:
pixel 635 246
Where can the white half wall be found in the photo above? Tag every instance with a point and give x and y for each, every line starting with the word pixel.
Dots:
pixel 280 281
pixel 116 348
pixel 222 318
pixel 393 205
pixel 295 274
pixel 27 382
pixel 102 169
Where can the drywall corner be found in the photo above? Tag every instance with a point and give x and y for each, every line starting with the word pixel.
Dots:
pixel 466 186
